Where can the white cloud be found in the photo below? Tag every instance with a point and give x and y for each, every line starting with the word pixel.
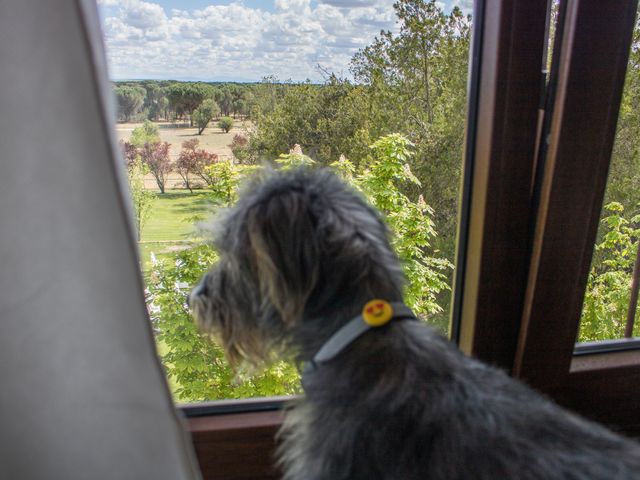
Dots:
pixel 235 42
pixel 355 3
pixel 293 5
pixel 144 15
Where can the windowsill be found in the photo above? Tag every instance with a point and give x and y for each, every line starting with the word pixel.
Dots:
pixel 235 406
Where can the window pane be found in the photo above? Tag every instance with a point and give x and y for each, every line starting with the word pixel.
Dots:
pixel 606 312
pixel 226 86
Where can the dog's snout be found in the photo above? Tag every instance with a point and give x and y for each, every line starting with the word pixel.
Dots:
pixel 198 291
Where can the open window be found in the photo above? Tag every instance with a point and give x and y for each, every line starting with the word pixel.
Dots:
pixel 537 153
pixel 537 200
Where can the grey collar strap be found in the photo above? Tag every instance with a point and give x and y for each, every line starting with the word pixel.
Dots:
pixel 350 332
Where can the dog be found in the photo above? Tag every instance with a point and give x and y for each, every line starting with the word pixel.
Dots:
pixel 306 271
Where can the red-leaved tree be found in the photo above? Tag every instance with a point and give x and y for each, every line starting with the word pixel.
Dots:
pixel 129 152
pixel 186 164
pixel 194 162
pixel 156 157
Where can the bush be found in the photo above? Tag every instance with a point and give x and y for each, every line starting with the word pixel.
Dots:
pixel 196 366
pixel 225 124
pixel 240 147
pixel 607 297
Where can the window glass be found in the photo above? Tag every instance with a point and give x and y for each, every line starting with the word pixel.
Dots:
pixel 608 310
pixel 209 90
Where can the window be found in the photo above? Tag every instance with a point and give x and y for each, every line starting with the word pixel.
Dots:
pixel 532 330
pixel 537 152
pixel 352 88
pixel 609 307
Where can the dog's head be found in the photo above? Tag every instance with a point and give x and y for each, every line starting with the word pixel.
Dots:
pixel 300 246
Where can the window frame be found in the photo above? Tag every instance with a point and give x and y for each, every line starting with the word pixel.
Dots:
pixel 591 67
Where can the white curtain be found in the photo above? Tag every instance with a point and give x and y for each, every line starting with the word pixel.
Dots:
pixel 82 395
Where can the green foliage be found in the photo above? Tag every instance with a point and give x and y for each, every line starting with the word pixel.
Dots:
pixel 411 222
pixel 417 86
pixel 608 290
pixel 295 158
pixel 225 124
pixel 224 98
pixel 195 365
pixel 326 120
pixel 202 115
pixel 609 285
pixel 224 178
pixel 141 198
pixel 240 147
pixel 147 133
pixel 411 81
pixel 130 99
pixel 624 181
pixel 184 97
pixel 240 107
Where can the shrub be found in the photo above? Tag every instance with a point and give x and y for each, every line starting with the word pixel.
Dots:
pixel 240 147
pixel 225 124
pixel 196 366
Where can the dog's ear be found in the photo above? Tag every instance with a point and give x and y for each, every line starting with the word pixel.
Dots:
pixel 285 251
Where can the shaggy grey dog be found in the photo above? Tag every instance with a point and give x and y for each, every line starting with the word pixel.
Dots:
pixel 300 255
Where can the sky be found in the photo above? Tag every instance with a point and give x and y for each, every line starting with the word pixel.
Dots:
pixel 241 40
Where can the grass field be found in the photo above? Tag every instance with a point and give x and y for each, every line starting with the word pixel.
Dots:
pixel 172 224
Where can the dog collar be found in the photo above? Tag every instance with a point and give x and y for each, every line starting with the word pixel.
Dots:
pixel 375 313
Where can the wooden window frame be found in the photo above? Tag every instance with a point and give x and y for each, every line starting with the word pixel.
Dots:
pixel 592 61
pixel 528 205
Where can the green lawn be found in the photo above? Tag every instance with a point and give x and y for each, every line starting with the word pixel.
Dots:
pixel 172 224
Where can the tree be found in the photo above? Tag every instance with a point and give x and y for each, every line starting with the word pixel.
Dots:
pixel 225 124
pixel 129 152
pixel 141 198
pixel 412 82
pixel 130 100
pixel 156 157
pixel 197 367
pixel 624 181
pixel 240 107
pixel 186 163
pixel 155 101
pixel 148 132
pixel 184 97
pixel 609 286
pixel 416 83
pixel 224 98
pixel 240 147
pixel 193 161
pixel 202 115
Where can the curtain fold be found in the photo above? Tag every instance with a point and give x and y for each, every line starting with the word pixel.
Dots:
pixel 82 394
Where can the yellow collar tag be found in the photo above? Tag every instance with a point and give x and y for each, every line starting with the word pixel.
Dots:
pixel 377 312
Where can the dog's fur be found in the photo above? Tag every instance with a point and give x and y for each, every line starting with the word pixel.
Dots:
pixel 300 254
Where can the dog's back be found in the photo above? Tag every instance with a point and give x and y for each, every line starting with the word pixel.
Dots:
pixel 403 403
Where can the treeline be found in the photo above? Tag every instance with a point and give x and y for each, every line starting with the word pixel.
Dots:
pixel 179 101
pixel 412 82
